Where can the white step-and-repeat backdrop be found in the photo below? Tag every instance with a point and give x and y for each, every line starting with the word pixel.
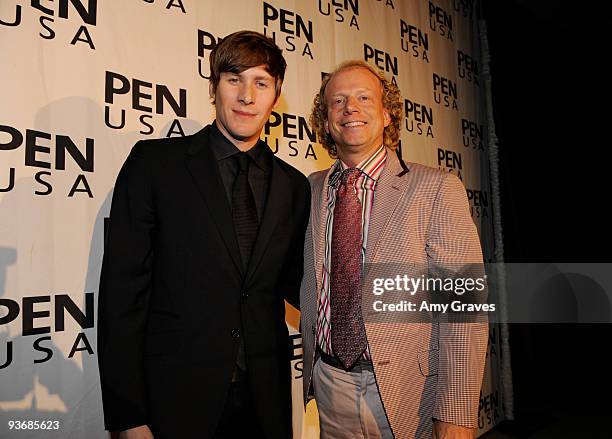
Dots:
pixel 81 81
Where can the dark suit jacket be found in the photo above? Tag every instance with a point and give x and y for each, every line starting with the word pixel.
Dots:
pixel 175 301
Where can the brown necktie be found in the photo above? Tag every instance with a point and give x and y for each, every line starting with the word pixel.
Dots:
pixel 348 332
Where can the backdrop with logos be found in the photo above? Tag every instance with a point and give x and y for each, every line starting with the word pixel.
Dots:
pixel 81 81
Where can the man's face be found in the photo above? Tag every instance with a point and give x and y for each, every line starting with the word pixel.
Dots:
pixel 356 117
pixel 243 103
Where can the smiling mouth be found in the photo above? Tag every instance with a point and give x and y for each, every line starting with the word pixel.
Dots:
pixel 242 113
pixel 353 124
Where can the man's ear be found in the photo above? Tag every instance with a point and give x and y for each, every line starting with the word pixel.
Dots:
pixel 386 117
pixel 211 90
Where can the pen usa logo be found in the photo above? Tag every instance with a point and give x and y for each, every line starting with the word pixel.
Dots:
pixel 467 68
pixel 290 131
pixel 145 97
pixel 479 203
pixel 414 41
pixel 48 152
pixel 472 135
pixel 445 92
pixel 67 11
pixel 342 10
pixel 488 409
pixel 383 60
pixel 440 21
pixel 37 314
pixel 290 31
pixel 206 43
pixel 418 118
pixel 450 161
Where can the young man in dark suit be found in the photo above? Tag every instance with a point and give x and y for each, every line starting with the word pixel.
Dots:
pixel 205 241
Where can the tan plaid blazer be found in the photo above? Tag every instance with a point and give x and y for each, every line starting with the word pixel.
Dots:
pixel 423 370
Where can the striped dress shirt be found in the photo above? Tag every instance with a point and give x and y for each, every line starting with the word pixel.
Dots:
pixel 365 187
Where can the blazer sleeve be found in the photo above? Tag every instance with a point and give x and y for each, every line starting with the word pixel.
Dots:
pixel 125 288
pixel 295 267
pixel 453 248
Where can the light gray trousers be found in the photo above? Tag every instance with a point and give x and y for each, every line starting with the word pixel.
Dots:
pixel 349 404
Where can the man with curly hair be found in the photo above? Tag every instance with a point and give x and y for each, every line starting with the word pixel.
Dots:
pixel 382 379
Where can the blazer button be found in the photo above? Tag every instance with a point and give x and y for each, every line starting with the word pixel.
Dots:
pixel 235 333
pixel 245 294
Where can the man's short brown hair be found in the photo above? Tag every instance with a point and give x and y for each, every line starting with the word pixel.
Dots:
pixel 244 49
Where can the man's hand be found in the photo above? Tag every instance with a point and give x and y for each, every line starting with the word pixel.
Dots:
pixel 142 432
pixel 444 430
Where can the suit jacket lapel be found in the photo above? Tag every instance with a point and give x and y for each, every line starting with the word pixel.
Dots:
pixel 386 198
pixel 202 165
pixel 278 200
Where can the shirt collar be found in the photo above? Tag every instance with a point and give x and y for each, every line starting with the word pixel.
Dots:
pixel 260 154
pixel 222 148
pixel 372 166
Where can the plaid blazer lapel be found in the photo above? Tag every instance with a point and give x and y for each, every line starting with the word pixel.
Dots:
pixel 389 191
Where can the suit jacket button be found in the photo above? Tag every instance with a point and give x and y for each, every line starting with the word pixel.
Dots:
pixel 235 333
pixel 245 294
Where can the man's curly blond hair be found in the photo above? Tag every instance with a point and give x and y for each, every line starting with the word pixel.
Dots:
pixel 392 102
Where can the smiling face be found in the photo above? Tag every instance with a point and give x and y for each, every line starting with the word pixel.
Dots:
pixel 356 117
pixel 243 103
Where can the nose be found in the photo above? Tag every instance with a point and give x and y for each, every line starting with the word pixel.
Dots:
pixel 350 105
pixel 246 95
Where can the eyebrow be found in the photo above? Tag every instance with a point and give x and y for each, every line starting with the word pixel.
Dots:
pixel 257 78
pixel 359 90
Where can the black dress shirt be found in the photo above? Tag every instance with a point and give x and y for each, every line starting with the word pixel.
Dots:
pixel 259 175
